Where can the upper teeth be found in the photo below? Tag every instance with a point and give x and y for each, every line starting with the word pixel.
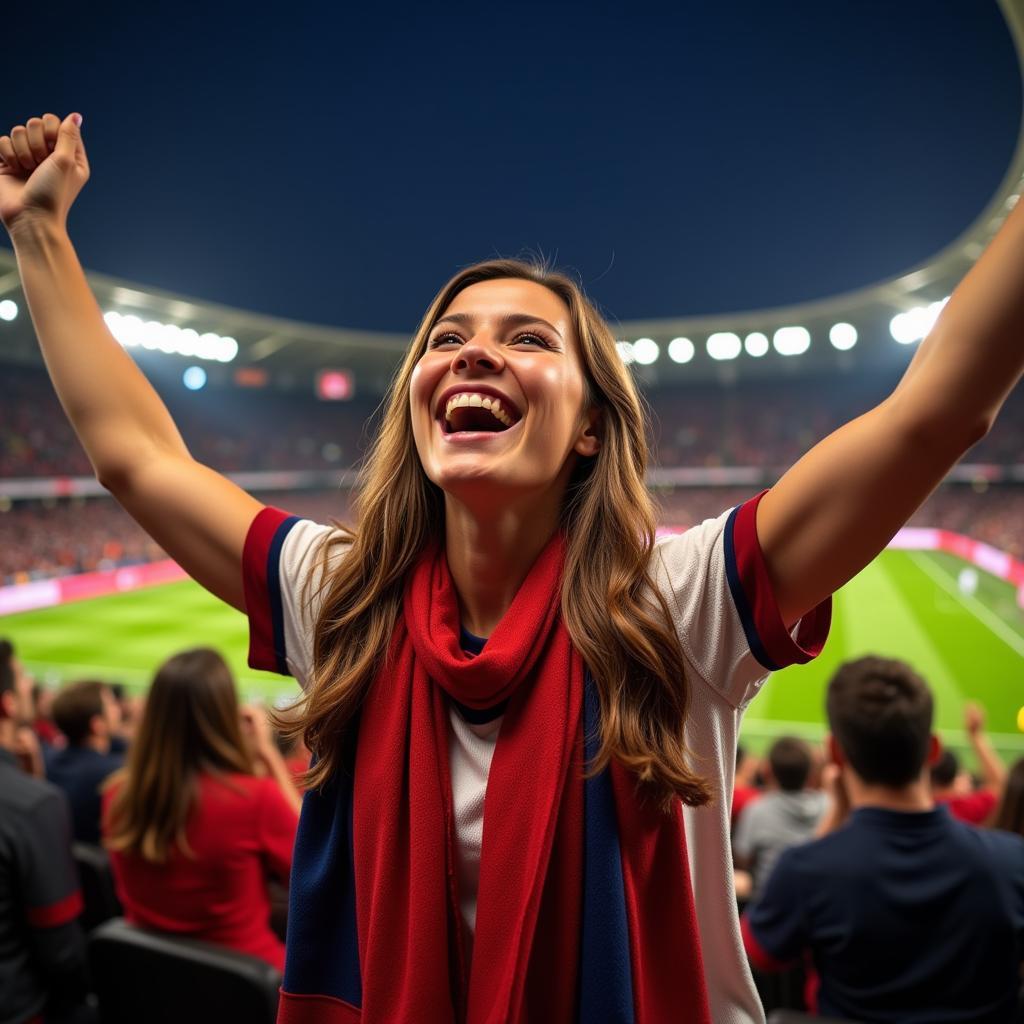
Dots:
pixel 484 401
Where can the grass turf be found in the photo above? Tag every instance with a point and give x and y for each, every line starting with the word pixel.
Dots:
pixel 905 604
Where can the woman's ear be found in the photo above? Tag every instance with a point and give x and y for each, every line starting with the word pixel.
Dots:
pixel 589 440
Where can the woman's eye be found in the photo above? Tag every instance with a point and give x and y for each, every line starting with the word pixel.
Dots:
pixel 445 339
pixel 534 339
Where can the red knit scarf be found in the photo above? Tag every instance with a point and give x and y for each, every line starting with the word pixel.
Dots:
pixel 527 945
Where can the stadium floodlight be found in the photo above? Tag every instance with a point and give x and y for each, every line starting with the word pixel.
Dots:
pixel 8 310
pixel 167 337
pixel 756 344
pixel 680 350
pixel 172 339
pixel 843 336
pixel 188 342
pixel 724 345
pixel 646 351
pixel 194 378
pixel 791 341
pixel 152 335
pixel 915 324
pixel 625 350
pixel 130 331
pixel 228 350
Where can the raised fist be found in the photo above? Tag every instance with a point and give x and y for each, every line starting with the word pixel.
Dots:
pixel 43 169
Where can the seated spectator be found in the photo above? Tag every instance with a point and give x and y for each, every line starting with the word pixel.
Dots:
pixel 89 717
pixel 964 802
pixel 908 914
pixel 43 724
pixel 745 790
pixel 787 814
pixel 291 745
pixel 42 949
pixel 130 705
pixel 25 746
pixel 192 831
pixel 1009 815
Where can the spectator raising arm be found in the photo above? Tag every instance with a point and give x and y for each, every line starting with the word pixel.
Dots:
pixel 197 516
pixel 993 770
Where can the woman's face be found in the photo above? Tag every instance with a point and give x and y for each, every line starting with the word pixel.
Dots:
pixel 497 396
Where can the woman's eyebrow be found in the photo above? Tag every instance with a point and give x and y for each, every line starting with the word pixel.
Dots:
pixel 504 322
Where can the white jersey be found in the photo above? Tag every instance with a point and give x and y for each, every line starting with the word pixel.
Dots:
pixel 716 586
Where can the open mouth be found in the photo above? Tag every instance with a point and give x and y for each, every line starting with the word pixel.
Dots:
pixel 477 412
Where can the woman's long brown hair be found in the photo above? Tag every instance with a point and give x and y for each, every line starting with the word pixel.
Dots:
pixel 615 614
pixel 190 725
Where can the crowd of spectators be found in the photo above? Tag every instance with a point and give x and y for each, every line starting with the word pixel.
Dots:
pixel 233 431
pixel 745 424
pixel 188 793
pixel 880 877
pixel 41 539
pixel 890 882
pixel 236 430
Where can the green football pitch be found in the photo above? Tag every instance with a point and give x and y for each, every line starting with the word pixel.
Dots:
pixel 905 604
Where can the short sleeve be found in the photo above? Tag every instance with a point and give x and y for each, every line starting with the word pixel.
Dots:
pixel 281 555
pixel 775 929
pixel 51 894
pixel 277 825
pixel 716 584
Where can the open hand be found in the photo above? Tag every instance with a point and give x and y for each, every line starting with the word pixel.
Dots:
pixel 974 718
pixel 43 169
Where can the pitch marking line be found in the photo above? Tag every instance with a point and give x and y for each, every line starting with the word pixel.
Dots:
pixel 811 731
pixel 135 675
pixel 1009 636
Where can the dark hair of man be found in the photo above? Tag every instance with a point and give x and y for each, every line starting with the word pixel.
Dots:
pixel 75 707
pixel 1010 813
pixel 880 712
pixel 790 759
pixel 945 770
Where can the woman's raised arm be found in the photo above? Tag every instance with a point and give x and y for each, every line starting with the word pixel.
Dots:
pixel 844 500
pixel 197 516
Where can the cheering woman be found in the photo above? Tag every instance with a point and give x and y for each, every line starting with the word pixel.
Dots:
pixel 523 710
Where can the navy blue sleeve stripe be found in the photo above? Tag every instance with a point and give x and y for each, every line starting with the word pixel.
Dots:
pixel 274 591
pixel 739 596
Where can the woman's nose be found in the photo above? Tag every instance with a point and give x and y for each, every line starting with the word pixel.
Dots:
pixel 479 353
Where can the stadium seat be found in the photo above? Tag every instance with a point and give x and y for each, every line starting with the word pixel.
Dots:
pixel 97 882
pixel 782 990
pixel 147 976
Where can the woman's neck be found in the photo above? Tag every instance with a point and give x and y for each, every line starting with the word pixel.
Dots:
pixel 489 555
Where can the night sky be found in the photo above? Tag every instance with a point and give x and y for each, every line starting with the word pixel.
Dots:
pixel 337 163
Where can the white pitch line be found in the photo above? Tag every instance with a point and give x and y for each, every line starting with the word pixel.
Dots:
pixel 144 676
pixel 813 731
pixel 1009 636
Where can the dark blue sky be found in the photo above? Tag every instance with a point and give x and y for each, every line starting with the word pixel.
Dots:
pixel 338 163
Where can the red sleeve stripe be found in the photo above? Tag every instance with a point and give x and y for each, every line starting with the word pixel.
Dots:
pixel 260 575
pixel 55 914
pixel 759 957
pixel 754 597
